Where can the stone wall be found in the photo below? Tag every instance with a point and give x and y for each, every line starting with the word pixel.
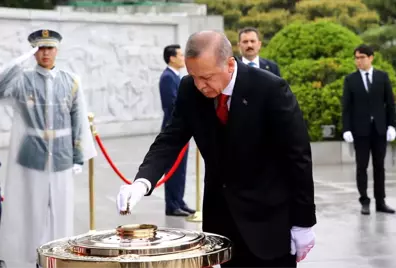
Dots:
pixel 118 56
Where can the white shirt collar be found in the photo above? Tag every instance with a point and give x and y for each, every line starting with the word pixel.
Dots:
pixel 230 87
pixel 370 76
pixel 370 71
pixel 52 73
pixel 174 70
pixel 256 60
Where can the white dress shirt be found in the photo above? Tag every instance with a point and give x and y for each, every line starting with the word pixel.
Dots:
pixel 230 87
pixel 363 74
pixel 256 61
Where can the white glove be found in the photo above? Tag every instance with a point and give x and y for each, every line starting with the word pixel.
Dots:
pixel 26 55
pixel 19 60
pixel 390 134
pixel 348 136
pixel 129 195
pixel 302 241
pixel 77 169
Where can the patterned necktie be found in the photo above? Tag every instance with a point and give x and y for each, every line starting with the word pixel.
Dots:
pixel 222 108
pixel 252 64
pixel 368 82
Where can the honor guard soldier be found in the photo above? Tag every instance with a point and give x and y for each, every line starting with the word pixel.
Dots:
pixel 50 140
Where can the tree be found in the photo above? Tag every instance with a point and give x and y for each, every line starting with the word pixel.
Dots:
pixel 385 8
pixel 270 16
pixel 383 38
pixel 352 14
pixel 33 4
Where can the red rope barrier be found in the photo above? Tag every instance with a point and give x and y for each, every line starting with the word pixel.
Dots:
pixel 118 172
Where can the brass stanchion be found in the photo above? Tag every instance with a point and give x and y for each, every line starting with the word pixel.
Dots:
pixel 197 217
pixel 91 117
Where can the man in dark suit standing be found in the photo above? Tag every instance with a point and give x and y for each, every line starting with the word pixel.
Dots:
pixel 248 126
pixel 249 46
pixel 169 84
pixel 369 122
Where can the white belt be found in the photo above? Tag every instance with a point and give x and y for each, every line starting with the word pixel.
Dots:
pixel 49 133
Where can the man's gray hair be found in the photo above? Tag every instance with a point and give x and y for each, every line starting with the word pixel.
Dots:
pixel 202 41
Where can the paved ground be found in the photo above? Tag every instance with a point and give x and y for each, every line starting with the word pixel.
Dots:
pixel 345 239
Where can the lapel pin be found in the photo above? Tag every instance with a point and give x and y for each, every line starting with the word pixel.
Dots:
pixel 267 67
pixel 244 101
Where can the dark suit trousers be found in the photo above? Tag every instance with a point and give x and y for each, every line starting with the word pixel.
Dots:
pixel 376 144
pixel 217 219
pixel 174 187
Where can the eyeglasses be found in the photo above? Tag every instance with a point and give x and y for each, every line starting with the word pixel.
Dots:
pixel 360 57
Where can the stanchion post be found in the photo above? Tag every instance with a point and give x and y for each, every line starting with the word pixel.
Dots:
pixel 197 217
pixel 91 175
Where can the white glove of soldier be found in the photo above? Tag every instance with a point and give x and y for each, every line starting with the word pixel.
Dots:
pixel 26 55
pixel 19 60
pixel 77 169
pixel 390 134
pixel 348 136
pixel 129 195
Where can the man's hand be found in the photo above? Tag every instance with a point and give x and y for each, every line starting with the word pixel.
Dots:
pixel 77 169
pixel 348 136
pixel 302 241
pixel 390 134
pixel 129 196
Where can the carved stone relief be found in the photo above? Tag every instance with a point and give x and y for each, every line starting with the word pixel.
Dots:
pixel 119 64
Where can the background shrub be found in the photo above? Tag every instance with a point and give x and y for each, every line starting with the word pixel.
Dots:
pixel 314 58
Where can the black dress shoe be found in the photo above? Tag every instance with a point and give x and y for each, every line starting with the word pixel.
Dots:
pixel 177 212
pixel 365 209
pixel 384 208
pixel 187 209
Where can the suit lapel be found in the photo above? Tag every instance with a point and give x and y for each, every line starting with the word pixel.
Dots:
pixel 239 101
pixel 359 81
pixel 374 78
pixel 264 64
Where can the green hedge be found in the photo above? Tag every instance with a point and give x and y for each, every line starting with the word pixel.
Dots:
pixel 314 58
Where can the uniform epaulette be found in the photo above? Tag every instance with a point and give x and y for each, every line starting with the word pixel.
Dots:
pixel 75 79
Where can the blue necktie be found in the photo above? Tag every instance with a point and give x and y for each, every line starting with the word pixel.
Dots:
pixel 252 64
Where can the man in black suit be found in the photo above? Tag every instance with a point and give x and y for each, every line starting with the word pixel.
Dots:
pixel 248 126
pixel 249 46
pixel 369 122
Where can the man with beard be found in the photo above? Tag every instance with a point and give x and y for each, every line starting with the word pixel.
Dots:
pixel 249 46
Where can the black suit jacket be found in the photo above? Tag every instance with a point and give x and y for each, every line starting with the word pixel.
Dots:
pixel 359 105
pixel 270 66
pixel 268 180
